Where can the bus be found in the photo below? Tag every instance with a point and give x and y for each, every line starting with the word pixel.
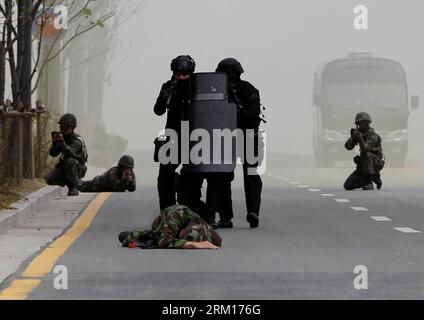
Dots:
pixel 360 83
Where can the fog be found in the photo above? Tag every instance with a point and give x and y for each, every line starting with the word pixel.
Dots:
pixel 279 44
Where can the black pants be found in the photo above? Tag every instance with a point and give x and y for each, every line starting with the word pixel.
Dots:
pixel 252 183
pixel 166 185
pixel 252 180
pixel 225 208
pixel 67 172
pixel 252 189
pixel 368 167
pixel 190 192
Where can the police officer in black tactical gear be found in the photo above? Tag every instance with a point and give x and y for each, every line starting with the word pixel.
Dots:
pixel 173 96
pixel 246 96
pixel 71 166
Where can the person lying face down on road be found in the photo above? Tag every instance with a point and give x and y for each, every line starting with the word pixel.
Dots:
pixel 117 179
pixel 176 227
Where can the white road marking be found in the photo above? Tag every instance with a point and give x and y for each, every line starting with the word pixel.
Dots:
pixel 327 195
pixel 286 179
pixel 359 208
pixel 381 218
pixel 407 230
pixel 315 190
pixel 342 200
pixel 303 186
pixel 294 182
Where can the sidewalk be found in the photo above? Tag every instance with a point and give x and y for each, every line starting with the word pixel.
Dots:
pixel 38 220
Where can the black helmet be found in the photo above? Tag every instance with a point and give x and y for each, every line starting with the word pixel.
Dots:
pixel 183 64
pixel 126 161
pixel 68 119
pixel 362 116
pixel 230 66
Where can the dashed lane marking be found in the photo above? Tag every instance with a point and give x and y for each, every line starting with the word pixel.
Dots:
pixel 407 230
pixel 359 208
pixel 381 218
pixel 342 200
pixel 22 283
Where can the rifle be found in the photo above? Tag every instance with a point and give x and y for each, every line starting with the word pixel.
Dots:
pixel 239 105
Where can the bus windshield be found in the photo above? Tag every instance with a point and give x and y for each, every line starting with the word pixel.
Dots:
pixel 386 95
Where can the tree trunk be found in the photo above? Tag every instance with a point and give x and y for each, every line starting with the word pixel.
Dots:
pixel 24 68
pixel 2 72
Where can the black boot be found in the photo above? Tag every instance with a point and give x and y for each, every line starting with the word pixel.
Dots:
pixel 224 224
pixel 368 186
pixel 253 220
pixel 378 182
pixel 73 192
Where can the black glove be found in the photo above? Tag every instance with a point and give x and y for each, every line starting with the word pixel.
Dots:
pixel 355 134
pixel 169 92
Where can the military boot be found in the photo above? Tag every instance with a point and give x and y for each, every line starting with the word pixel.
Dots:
pixel 368 186
pixel 224 224
pixel 253 220
pixel 73 192
pixel 378 182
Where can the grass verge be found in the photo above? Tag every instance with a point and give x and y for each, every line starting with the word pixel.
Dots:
pixel 14 193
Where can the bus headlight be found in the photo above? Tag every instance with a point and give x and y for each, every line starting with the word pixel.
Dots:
pixel 398 135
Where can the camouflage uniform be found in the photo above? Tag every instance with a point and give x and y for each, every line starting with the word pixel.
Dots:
pixel 369 163
pixel 109 181
pixel 174 226
pixel 71 166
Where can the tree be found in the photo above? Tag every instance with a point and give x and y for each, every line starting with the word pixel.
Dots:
pixel 16 53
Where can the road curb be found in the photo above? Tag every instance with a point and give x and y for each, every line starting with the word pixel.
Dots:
pixel 32 203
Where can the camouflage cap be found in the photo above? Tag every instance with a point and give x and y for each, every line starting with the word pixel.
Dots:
pixel 362 116
pixel 126 161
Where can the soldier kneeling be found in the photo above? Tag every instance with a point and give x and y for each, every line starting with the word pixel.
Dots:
pixel 371 160
pixel 71 166
pixel 117 179
pixel 176 227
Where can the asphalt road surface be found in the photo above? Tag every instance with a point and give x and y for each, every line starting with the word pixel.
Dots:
pixel 311 237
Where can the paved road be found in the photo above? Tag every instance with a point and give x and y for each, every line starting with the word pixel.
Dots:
pixel 309 241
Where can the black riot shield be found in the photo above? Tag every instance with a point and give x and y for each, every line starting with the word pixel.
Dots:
pixel 212 123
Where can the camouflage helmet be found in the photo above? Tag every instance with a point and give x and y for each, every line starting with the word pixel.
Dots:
pixel 230 66
pixel 183 64
pixel 68 119
pixel 362 116
pixel 126 161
